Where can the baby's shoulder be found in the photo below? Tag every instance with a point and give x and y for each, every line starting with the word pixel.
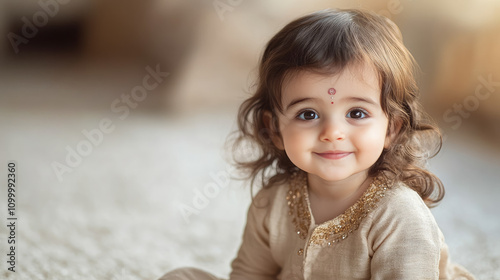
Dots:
pixel 269 196
pixel 266 206
pixel 401 201
pixel 402 216
pixel 402 195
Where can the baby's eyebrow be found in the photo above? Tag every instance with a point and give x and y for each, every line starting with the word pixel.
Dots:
pixel 297 101
pixel 362 99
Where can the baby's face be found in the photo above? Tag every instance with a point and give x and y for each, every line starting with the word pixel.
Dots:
pixel 333 126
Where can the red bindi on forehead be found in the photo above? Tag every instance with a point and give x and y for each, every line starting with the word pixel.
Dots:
pixel 331 92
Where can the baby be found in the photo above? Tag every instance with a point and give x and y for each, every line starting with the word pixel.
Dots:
pixel 342 146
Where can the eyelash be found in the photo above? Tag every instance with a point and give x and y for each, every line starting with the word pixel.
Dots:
pixel 301 113
pixel 306 111
pixel 365 113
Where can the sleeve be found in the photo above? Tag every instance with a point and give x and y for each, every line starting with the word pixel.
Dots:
pixel 254 260
pixel 405 239
pixel 449 270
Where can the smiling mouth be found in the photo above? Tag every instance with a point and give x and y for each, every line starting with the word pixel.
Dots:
pixel 334 155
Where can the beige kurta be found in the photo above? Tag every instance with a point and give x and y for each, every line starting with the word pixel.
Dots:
pixel 389 233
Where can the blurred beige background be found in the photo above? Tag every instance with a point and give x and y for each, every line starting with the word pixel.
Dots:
pixel 116 213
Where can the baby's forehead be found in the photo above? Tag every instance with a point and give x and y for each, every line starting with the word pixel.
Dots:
pixel 355 76
pixel 359 70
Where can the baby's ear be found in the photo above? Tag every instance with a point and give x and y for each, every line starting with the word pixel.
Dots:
pixel 392 132
pixel 273 129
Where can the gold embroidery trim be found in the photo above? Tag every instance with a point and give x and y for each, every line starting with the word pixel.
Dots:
pixel 340 227
pixel 298 204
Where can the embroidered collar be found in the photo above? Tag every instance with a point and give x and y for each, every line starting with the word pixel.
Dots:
pixel 340 227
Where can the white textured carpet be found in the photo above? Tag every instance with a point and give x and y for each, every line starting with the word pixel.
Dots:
pixel 116 215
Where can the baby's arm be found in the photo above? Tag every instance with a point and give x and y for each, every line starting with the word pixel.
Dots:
pixel 254 260
pixel 405 240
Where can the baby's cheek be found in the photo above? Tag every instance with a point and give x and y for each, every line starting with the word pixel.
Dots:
pixel 294 145
pixel 295 138
pixel 371 142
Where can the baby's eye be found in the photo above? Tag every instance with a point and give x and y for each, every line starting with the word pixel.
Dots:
pixel 308 115
pixel 357 114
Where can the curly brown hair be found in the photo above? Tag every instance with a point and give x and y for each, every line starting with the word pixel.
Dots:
pixel 327 42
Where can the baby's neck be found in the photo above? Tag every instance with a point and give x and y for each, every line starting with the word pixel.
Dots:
pixel 337 190
pixel 330 199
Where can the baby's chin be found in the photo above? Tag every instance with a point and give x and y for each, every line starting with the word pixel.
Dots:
pixel 336 176
pixel 328 177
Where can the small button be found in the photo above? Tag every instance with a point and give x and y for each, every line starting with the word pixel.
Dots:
pixel 300 252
